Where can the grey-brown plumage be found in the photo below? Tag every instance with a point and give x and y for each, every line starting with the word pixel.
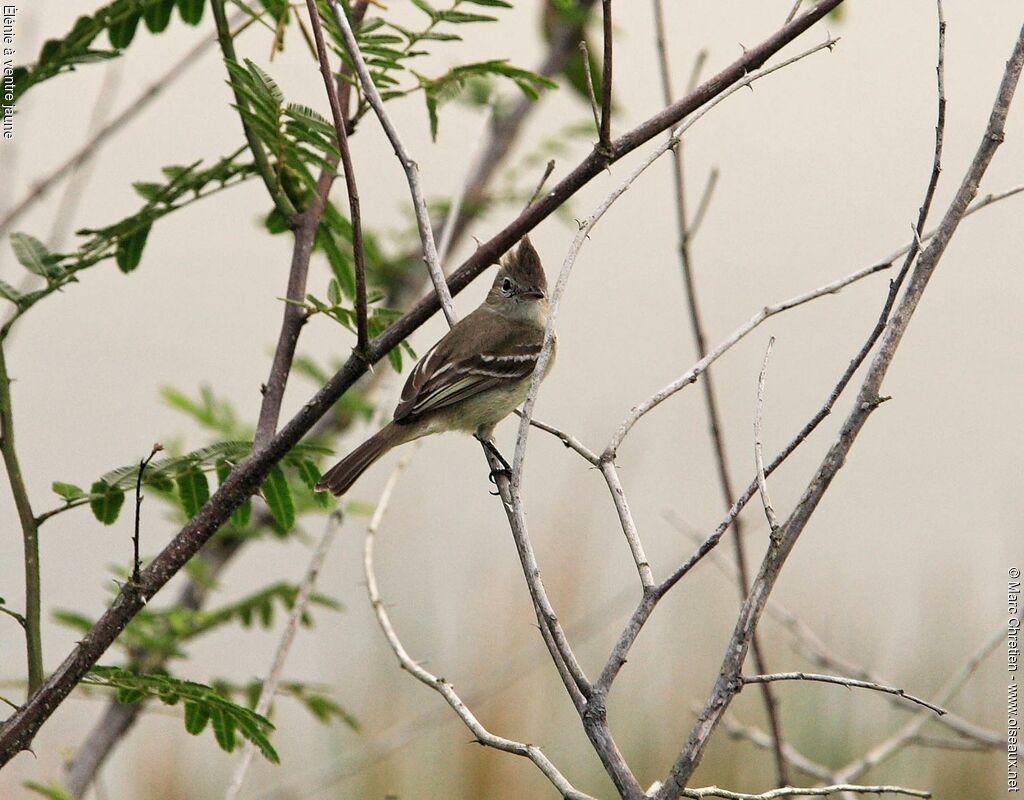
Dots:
pixel 475 376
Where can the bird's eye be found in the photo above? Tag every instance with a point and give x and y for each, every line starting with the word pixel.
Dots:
pixel 506 286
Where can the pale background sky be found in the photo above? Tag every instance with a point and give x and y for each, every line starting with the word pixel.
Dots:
pixel 823 166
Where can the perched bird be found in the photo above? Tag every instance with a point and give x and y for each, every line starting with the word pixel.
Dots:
pixel 474 377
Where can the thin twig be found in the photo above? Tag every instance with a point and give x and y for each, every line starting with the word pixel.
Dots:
pixel 548 169
pixel 412 172
pixel 643 566
pixel 284 645
pixel 568 440
pixel 138 509
pixel 605 128
pixel 703 204
pixel 687 234
pixel 29 531
pixel 792 11
pixel 594 109
pixel 851 682
pixel 440 685
pixel 341 134
pixel 788 791
pixel 762 485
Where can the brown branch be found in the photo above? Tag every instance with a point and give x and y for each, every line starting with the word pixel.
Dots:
pixel 868 400
pixel 338 115
pixel 31 621
pixel 18 730
pixel 716 430
pixel 605 128
pixel 850 682
pixel 138 509
pixel 585 52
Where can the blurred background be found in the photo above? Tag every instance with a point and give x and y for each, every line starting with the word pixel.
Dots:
pixel 822 169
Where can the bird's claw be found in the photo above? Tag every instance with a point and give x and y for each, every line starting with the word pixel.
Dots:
pixel 493 477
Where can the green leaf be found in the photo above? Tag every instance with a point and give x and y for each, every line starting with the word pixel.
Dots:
pixel 68 490
pixel 459 17
pixel 127 695
pixel 105 502
pixel 122 31
pixel 223 729
pixel 196 717
pixel 129 249
pixel 202 703
pixel 193 490
pixel 157 15
pixel 279 498
pixel 191 11
pixel 309 472
pixel 240 517
pixel 33 255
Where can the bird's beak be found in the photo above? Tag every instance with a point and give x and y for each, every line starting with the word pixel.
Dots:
pixel 538 293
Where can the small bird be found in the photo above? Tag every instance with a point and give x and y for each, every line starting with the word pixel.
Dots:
pixel 474 377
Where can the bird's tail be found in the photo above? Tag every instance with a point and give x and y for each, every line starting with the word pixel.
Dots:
pixel 339 478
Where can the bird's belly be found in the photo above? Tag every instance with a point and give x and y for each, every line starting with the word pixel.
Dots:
pixel 487 409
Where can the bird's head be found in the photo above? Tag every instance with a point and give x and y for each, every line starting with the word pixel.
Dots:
pixel 520 282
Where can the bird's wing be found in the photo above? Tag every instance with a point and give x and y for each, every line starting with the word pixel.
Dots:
pixel 454 370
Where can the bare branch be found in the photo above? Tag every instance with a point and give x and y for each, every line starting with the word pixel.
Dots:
pixel 567 439
pixel 787 791
pixel 138 509
pixel 766 501
pixel 851 682
pixel 585 51
pixel 548 169
pixel 440 685
pixel 686 236
pixel 31 621
pixel 605 128
pixel 412 171
pixel 643 567
pixel 341 134
pixel 284 646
